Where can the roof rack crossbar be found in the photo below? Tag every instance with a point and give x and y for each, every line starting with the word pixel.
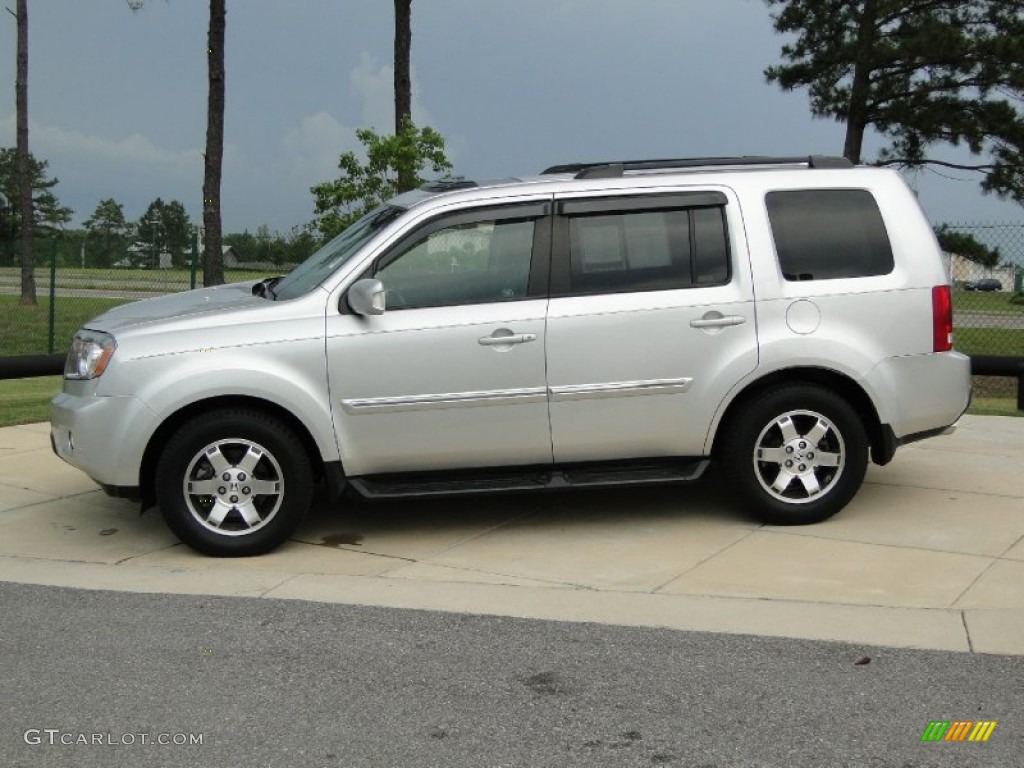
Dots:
pixel 609 169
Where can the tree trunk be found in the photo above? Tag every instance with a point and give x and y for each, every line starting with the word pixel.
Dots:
pixel 860 89
pixel 28 278
pixel 213 264
pixel 403 82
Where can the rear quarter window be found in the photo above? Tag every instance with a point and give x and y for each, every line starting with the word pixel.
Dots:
pixel 825 234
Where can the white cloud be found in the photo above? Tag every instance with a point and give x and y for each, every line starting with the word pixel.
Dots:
pixel 132 169
pixel 135 150
pixel 375 87
pixel 312 148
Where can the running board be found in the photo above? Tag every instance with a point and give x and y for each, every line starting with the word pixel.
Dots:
pixel 603 475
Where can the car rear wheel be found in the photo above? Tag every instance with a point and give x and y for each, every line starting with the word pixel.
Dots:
pixel 796 455
pixel 234 483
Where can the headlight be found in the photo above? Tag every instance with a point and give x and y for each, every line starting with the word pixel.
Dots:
pixel 90 352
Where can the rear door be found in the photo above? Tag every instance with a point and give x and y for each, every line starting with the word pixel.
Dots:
pixel 651 322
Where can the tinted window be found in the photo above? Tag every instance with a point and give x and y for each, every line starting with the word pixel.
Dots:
pixel 462 264
pixel 827 234
pixel 648 250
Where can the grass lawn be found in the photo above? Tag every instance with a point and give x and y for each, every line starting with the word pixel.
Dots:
pixel 994 406
pixel 989 341
pixel 25 401
pixel 987 302
pixel 25 330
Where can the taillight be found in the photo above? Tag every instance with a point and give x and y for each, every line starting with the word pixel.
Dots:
pixel 942 319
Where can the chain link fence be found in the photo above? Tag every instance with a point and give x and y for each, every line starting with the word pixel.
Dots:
pixel 71 288
pixel 988 290
pixel 988 298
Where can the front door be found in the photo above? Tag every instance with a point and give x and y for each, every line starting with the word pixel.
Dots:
pixel 452 375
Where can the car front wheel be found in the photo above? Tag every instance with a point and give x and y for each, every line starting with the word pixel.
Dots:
pixel 234 483
pixel 796 455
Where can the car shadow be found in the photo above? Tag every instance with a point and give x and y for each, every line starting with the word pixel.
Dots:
pixel 356 522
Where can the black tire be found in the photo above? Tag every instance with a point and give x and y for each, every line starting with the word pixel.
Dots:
pixel 796 455
pixel 234 483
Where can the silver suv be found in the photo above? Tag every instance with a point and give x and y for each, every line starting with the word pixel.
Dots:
pixel 597 325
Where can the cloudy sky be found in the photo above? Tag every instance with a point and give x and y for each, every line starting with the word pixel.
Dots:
pixel 117 99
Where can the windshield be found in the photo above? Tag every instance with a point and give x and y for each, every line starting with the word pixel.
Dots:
pixel 322 264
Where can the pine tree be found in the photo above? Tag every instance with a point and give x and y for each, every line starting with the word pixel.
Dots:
pixel 923 73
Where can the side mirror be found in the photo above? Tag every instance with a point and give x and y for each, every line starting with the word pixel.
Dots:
pixel 366 297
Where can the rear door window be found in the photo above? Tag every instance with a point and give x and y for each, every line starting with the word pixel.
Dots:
pixel 641 244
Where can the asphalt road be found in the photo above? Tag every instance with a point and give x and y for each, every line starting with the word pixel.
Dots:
pixel 282 683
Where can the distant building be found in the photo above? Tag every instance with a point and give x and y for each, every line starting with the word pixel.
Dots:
pixel 962 270
pixel 232 260
pixel 141 255
pixel 229 256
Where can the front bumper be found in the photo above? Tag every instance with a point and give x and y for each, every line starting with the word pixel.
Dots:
pixel 105 437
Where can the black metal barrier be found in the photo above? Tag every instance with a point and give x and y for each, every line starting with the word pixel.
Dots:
pixel 1012 367
pixel 53 365
pixel 25 366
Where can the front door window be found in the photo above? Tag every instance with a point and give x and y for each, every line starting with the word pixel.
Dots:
pixel 471 263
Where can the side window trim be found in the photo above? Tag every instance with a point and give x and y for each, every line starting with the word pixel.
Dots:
pixel 539 284
pixel 566 209
pixel 634 203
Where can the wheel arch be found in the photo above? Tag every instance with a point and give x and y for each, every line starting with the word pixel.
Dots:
pixel 158 440
pixel 879 435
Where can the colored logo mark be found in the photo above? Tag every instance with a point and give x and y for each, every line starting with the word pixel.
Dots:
pixel 958 730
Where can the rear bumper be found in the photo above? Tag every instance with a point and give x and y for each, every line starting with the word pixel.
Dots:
pixel 924 394
pixel 933 392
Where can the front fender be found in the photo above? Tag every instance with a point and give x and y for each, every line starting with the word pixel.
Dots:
pixel 293 375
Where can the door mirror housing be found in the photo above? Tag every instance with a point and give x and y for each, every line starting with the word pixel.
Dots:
pixel 367 297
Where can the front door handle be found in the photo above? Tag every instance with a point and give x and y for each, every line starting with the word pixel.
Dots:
pixel 504 336
pixel 721 321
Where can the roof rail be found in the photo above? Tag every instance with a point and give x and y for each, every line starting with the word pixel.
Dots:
pixel 447 185
pixel 615 168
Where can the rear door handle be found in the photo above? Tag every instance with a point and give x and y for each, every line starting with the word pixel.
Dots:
pixel 495 340
pixel 722 321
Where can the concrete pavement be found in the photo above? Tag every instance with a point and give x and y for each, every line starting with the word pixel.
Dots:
pixel 930 554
